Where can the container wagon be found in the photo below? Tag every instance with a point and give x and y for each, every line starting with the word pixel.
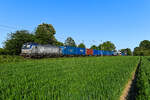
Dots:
pixel 81 51
pixel 95 52
pixel 68 50
pixel 89 52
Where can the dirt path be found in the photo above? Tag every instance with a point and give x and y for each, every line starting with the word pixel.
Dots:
pixel 130 90
pixel 127 88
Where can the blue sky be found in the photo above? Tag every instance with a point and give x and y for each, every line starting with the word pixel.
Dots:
pixel 123 22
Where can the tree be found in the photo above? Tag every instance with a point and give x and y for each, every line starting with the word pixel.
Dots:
pixel 107 46
pixel 59 43
pixel 70 42
pixel 3 51
pixel 143 49
pixel 94 47
pixel 45 34
pixel 145 44
pixel 123 50
pixel 15 41
pixel 138 51
pixel 127 51
pixel 81 45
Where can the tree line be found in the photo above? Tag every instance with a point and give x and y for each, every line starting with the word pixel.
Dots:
pixel 143 49
pixel 45 34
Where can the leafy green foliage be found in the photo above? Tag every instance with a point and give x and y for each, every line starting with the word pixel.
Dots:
pixel 94 47
pixel 8 58
pixel 143 49
pixel 82 78
pixel 81 45
pixel 70 42
pixel 138 51
pixel 107 46
pixel 15 41
pixel 45 34
pixel 3 51
pixel 57 43
pixel 145 44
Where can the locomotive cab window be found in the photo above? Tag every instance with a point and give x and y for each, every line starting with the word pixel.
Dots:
pixel 28 46
pixel 25 46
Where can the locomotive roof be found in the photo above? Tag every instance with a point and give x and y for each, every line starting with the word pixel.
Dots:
pixel 47 45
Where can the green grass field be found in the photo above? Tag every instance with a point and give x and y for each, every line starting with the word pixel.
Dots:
pixel 143 80
pixel 79 78
pixel 7 59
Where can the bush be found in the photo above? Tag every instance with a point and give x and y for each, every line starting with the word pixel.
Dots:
pixel 3 51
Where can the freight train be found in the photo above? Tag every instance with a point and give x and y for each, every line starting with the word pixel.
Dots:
pixel 34 50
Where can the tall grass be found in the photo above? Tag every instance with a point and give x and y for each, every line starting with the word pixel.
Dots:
pixel 85 78
pixel 8 58
pixel 143 80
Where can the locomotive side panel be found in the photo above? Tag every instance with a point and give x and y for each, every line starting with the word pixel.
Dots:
pixel 48 50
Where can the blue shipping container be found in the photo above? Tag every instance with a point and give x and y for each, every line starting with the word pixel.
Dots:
pixel 62 50
pixel 123 54
pixel 112 53
pixel 104 53
pixel 107 53
pixel 70 50
pixel 67 50
pixel 95 52
pixel 100 52
pixel 81 51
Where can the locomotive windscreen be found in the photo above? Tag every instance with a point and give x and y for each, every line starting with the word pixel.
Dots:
pixel 26 46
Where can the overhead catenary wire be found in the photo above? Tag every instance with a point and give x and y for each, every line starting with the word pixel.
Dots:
pixel 9 28
pixel 5 26
pixel 15 27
